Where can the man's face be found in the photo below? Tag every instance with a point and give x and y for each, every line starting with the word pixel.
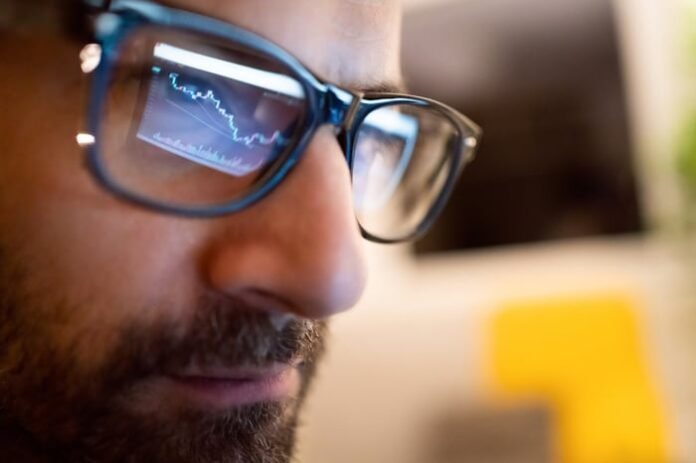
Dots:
pixel 131 336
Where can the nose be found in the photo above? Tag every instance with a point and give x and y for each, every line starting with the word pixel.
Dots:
pixel 299 250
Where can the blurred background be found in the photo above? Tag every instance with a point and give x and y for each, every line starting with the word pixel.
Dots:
pixel 550 316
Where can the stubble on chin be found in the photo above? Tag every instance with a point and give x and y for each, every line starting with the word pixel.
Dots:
pixel 83 415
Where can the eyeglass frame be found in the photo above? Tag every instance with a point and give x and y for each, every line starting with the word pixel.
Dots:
pixel 327 104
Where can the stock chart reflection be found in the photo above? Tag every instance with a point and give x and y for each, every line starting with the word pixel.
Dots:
pixel 229 117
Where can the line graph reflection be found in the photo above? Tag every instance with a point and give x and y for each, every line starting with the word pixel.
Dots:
pixel 221 122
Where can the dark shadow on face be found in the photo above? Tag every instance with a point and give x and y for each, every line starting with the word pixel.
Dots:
pixel 78 413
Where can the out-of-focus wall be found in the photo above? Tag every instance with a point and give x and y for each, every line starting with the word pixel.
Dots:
pixel 653 35
pixel 649 33
pixel 417 347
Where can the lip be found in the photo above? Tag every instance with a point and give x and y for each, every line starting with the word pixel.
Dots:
pixel 218 387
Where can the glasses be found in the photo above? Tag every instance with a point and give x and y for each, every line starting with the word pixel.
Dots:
pixel 193 116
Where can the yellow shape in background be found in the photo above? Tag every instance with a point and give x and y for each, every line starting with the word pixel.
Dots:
pixel 585 357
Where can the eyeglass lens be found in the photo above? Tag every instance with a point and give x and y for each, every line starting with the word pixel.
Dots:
pixel 402 158
pixel 190 122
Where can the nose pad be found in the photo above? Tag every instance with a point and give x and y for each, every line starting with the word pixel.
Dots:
pixel 299 250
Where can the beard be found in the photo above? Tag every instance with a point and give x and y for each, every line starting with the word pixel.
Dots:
pixel 67 411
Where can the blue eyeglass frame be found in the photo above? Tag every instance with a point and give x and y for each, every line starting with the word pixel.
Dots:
pixel 326 103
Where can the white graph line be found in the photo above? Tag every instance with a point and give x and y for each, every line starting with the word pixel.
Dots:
pixel 209 96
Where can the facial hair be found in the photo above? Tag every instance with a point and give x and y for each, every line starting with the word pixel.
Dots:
pixel 69 413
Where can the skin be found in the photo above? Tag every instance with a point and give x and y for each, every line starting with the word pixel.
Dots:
pixel 88 267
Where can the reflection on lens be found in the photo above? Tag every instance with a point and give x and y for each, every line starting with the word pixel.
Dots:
pixel 403 156
pixel 203 109
pixel 190 122
pixel 382 154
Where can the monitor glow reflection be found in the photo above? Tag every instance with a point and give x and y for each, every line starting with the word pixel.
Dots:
pixel 227 116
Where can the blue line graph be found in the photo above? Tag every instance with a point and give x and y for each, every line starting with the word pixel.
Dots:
pixel 209 96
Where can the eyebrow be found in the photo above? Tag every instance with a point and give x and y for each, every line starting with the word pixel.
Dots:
pixel 381 87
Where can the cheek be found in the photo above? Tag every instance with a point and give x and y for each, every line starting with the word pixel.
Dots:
pixel 96 272
pixel 77 244
pixel 104 264
pixel 118 261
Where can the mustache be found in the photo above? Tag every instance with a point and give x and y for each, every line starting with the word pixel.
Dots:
pixel 225 332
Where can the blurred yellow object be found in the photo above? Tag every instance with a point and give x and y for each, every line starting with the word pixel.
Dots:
pixel 584 357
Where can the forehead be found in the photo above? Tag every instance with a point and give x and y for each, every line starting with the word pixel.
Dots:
pixel 351 42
